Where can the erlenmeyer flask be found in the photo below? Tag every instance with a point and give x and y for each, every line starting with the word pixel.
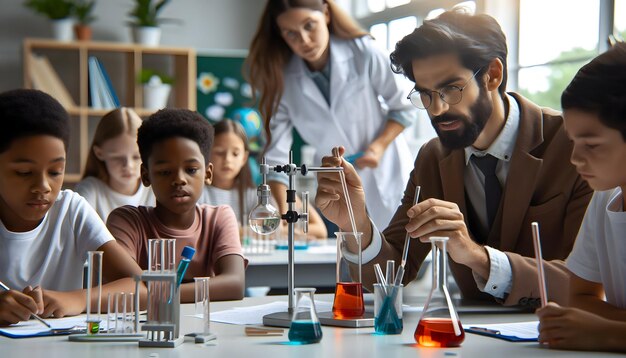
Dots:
pixel 305 326
pixel 439 325
pixel 348 301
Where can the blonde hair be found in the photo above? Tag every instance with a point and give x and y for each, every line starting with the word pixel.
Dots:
pixel 113 124
pixel 269 53
pixel 243 179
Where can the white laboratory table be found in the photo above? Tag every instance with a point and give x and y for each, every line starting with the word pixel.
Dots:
pixel 314 267
pixel 336 342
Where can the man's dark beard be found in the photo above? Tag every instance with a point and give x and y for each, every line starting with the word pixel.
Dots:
pixel 470 129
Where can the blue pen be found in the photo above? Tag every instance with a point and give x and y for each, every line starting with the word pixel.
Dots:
pixel 186 256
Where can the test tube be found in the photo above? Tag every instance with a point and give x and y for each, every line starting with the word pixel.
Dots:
pixel 94 290
pixel 161 254
pixel 202 302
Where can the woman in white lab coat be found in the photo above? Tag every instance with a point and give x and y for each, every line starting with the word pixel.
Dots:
pixel 317 71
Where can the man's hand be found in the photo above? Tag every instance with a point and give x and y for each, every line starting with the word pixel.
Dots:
pixel 330 198
pixel 434 217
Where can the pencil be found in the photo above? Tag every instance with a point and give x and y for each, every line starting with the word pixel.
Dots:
pixel 6 288
pixel 541 277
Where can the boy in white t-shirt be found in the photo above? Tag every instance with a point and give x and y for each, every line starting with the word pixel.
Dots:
pixel 594 111
pixel 45 232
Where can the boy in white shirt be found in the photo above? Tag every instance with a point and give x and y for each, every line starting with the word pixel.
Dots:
pixel 594 111
pixel 45 232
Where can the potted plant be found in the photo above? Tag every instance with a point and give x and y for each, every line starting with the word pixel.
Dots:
pixel 83 12
pixel 156 88
pixel 146 22
pixel 60 14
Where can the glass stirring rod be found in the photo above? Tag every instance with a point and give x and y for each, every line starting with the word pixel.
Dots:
pixel 407 238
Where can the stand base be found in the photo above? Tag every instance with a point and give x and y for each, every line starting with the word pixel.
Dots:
pixel 202 337
pixel 162 344
pixel 328 319
pixel 277 319
pixel 106 337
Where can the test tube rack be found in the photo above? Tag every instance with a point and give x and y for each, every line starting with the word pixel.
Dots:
pixel 163 323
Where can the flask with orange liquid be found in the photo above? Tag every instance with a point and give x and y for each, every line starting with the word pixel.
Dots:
pixel 439 325
pixel 348 301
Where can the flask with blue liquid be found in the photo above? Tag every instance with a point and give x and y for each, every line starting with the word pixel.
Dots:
pixel 305 326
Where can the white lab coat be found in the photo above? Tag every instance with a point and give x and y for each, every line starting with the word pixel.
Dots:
pixel 359 74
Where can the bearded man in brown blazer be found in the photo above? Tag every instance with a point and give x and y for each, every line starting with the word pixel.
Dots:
pixel 458 64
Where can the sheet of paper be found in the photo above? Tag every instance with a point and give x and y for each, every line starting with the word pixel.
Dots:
pixel 33 327
pixel 254 314
pixel 526 330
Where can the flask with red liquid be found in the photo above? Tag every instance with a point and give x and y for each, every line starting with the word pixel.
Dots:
pixel 439 325
pixel 348 301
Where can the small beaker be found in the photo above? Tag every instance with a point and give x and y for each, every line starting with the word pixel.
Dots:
pixel 439 326
pixel 348 302
pixel 202 302
pixel 387 309
pixel 161 255
pixel 305 326
pixel 94 291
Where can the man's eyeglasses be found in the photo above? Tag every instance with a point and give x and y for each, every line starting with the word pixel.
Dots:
pixel 450 94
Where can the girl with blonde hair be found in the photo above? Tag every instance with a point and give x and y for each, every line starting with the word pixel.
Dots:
pixel 112 176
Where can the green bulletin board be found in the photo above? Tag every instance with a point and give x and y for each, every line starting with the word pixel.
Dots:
pixel 222 92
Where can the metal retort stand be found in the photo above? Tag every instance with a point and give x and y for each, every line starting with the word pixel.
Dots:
pixel 263 212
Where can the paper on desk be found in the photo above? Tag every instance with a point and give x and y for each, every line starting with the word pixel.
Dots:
pixel 254 314
pixel 523 330
pixel 33 327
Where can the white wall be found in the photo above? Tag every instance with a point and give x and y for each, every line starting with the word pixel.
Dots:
pixel 206 24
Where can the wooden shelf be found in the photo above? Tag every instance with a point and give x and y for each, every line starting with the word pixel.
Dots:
pixel 123 62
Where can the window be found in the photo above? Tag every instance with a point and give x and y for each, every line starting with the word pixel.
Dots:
pixel 619 23
pixel 548 60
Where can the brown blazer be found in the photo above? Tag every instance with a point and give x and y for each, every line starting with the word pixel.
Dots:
pixel 542 185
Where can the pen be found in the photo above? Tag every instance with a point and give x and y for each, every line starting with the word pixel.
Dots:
pixel 486 330
pixel 6 288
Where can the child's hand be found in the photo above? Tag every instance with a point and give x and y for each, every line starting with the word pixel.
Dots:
pixel 572 328
pixel 37 295
pixel 16 306
pixel 60 304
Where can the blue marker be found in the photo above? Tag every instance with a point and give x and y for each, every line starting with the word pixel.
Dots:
pixel 186 256
pixel 352 158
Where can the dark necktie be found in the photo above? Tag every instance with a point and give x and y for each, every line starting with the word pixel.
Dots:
pixel 493 191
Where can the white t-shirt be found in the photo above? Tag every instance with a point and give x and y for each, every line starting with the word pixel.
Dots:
pixel 53 254
pixel 104 199
pixel 599 254
pixel 215 196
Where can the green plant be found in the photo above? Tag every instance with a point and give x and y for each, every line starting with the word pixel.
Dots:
pixel 146 74
pixel 53 9
pixel 146 12
pixel 83 10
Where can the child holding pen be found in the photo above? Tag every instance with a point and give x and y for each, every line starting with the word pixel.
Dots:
pixel 175 146
pixel 46 232
pixel 594 110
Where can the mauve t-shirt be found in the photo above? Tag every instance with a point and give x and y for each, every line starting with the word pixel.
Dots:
pixel 214 234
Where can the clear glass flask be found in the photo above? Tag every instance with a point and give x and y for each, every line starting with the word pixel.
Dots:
pixel 439 325
pixel 348 302
pixel 305 326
